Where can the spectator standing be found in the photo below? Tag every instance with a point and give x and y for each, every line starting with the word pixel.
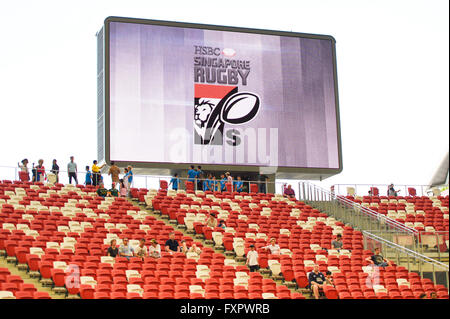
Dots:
pixel 114 171
pixel 337 243
pixel 40 171
pixel 123 189
pixel 273 247
pixel 175 181
pixel 192 174
pixel 125 250
pixel 378 260
pixel 155 249
pixel 223 181
pixel 113 251
pixel 24 174
pixel 33 171
pixel 214 184
pixel 199 176
pixel 392 191
pixel 252 259
pixel 172 244
pixel 316 281
pixel 289 192
pixel 141 249
pixel 72 171
pixel 239 185
pixel 96 173
pixel 207 183
pixel 262 183
pixel 55 170
pixel 130 176
pixel 88 177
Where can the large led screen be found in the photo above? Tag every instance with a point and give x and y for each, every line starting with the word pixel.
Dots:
pixel 195 95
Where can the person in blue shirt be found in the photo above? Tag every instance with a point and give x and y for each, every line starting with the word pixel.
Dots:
pixel 175 181
pixel 88 179
pixel 223 181
pixel 214 184
pixel 207 183
pixel 130 175
pixel 192 174
pixel 238 185
pixel 200 177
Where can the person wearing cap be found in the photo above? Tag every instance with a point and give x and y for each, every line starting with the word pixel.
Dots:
pixel 211 221
pixel 155 249
pixel 316 280
pixel 273 247
pixel 252 259
pixel 141 249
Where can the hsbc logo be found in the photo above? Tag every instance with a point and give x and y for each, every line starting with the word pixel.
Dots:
pixel 204 50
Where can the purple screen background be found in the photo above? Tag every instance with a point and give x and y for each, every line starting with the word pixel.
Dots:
pixel 152 93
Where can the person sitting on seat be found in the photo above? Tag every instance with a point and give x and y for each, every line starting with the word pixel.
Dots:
pixel 113 192
pixel 172 245
pixel 329 279
pixel 155 249
pixel 289 192
pixel 125 250
pixel 141 249
pixel 102 191
pixel 316 281
pixel 195 249
pixel 211 221
pixel 337 243
pixel 221 224
pixel 433 295
pixel 273 247
pixel 378 260
pixel 112 251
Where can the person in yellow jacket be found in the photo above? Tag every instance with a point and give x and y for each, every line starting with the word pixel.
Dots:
pixel 96 173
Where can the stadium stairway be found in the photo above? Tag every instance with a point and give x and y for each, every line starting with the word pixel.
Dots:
pixel 240 261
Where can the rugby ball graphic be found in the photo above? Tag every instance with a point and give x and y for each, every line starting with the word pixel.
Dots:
pixel 228 52
pixel 240 108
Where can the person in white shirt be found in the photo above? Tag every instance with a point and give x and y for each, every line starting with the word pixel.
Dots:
pixel 252 259
pixel 230 179
pixel 273 247
pixel 155 249
pixel 141 249
pixel 195 249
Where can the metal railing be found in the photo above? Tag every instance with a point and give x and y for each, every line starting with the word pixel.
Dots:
pixel 426 267
pixel 363 189
pixel 349 211
pixel 149 181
